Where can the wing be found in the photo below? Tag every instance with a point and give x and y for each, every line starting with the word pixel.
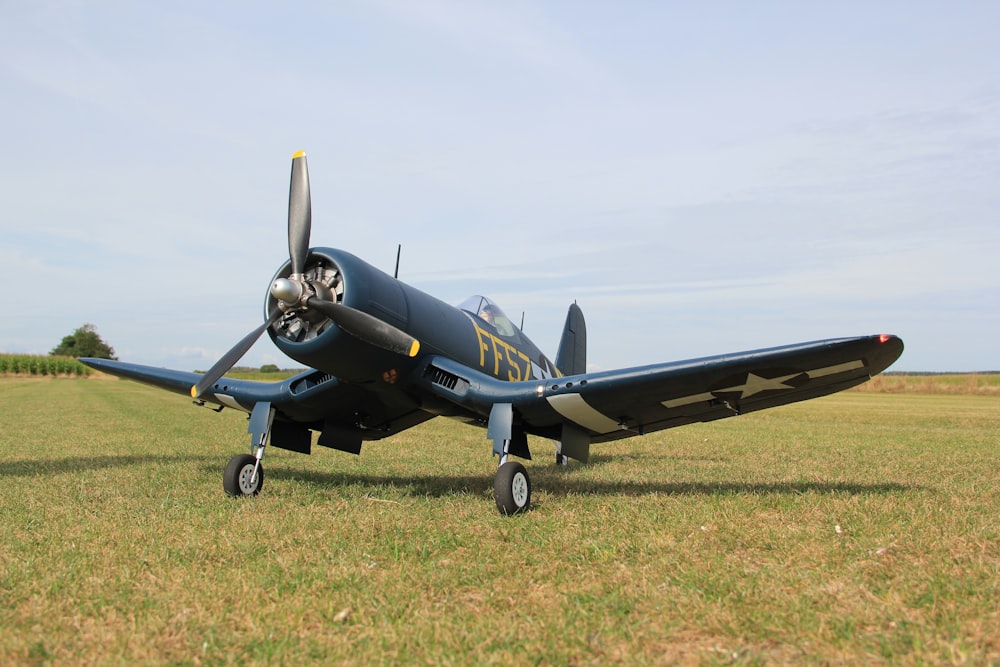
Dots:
pixel 344 414
pixel 619 404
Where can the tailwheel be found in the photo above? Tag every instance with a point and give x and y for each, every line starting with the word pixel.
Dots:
pixel 512 488
pixel 238 478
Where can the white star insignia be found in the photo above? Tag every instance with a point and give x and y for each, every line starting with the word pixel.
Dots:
pixel 756 384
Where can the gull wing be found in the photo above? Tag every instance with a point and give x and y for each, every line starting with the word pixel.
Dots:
pixel 619 404
pixel 344 414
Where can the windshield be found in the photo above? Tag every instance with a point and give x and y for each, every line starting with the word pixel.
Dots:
pixel 486 310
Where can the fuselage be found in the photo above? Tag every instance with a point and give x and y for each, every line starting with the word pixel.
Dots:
pixel 477 333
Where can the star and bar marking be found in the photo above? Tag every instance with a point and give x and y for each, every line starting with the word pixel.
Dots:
pixel 577 410
pixel 756 384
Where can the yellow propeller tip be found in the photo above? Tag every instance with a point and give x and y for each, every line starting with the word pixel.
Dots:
pixel 194 391
pixel 414 348
pixel 298 154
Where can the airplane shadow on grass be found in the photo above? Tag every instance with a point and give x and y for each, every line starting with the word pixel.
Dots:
pixel 553 481
pixel 77 464
pixel 558 483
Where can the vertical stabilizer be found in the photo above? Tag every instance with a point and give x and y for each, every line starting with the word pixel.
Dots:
pixel 571 359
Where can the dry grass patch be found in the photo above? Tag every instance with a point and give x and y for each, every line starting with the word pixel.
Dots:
pixel 981 384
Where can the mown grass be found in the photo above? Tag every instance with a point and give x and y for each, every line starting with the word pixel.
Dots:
pixel 855 528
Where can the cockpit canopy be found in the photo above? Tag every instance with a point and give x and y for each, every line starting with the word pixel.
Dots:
pixel 488 311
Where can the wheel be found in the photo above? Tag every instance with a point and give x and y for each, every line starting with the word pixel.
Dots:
pixel 512 488
pixel 236 477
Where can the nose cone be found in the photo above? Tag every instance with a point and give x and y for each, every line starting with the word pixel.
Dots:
pixel 286 291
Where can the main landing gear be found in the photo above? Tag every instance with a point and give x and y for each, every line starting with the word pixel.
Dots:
pixel 244 474
pixel 511 487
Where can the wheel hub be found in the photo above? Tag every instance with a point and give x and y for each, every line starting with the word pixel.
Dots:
pixel 519 489
pixel 247 482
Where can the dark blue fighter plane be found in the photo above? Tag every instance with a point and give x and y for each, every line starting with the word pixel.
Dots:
pixel 386 357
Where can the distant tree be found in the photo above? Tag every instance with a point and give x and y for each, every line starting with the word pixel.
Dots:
pixel 269 368
pixel 84 342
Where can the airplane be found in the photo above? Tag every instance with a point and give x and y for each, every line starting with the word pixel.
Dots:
pixel 384 356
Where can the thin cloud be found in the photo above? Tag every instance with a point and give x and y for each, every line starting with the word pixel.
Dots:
pixel 689 175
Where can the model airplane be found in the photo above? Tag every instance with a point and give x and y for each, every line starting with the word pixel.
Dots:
pixel 386 357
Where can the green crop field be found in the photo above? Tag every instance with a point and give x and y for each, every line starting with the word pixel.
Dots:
pixel 858 528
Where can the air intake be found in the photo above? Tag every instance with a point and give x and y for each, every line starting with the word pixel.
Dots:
pixel 449 381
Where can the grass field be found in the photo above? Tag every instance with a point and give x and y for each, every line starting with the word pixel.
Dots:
pixel 857 528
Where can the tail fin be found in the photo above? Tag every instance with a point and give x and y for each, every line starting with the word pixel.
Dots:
pixel 571 359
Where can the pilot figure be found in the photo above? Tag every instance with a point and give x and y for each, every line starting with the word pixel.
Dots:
pixel 486 313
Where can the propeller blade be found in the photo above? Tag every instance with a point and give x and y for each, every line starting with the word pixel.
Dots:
pixel 367 327
pixel 230 358
pixel 299 213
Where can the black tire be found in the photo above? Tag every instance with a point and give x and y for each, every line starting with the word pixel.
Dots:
pixel 236 476
pixel 512 488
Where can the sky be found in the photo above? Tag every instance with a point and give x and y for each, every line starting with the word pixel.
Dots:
pixel 701 178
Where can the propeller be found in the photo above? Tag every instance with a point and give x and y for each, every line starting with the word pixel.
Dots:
pixel 367 327
pixel 296 293
pixel 229 359
pixel 299 213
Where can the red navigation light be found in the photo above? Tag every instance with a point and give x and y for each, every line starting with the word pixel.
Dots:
pixel 884 338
